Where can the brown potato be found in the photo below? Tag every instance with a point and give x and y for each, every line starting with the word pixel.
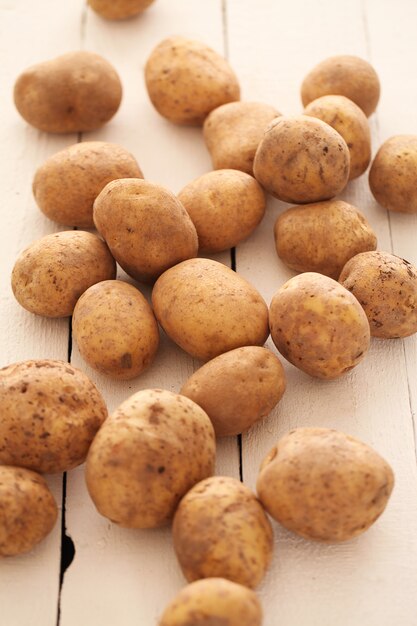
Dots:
pixel 238 388
pixel 302 160
pixel 386 287
pixel 322 237
pixel 52 273
pixel 145 226
pixel 50 414
pixel 319 326
pixel 393 174
pixel 149 453
pixel 186 80
pixel 225 207
pixel 75 92
pixel 343 75
pixel 67 184
pixel 119 9
pixel 324 485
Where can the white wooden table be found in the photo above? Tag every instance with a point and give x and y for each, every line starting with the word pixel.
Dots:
pixel 126 577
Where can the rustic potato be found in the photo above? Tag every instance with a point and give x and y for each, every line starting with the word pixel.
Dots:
pixel 386 287
pixel 208 309
pixel 28 510
pixel 214 601
pixel 238 388
pixel 350 122
pixel 393 174
pixel 302 159
pixel 324 485
pixel 67 184
pixel 149 453
pixel 343 75
pixel 119 9
pixel 52 273
pixel 145 226
pixel 322 237
pixel 186 80
pixel 220 529
pixel 318 326
pixel 50 412
pixel 75 92
pixel 233 131
pixel 225 207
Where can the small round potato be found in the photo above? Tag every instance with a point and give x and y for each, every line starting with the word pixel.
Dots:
pixel 386 287
pixel 393 174
pixel 319 326
pixel 149 453
pixel 186 80
pixel 215 602
pixel 343 75
pixel 322 237
pixel 145 226
pixel 119 9
pixel 324 485
pixel 220 529
pixel 50 412
pixel 233 132
pixel 75 92
pixel 28 510
pixel 52 273
pixel 238 388
pixel 225 207
pixel 208 309
pixel 115 329
pixel 302 160
pixel 67 184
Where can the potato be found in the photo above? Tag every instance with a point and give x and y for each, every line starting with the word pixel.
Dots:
pixel 214 601
pixel 67 184
pixel 186 80
pixel 145 226
pixel 322 237
pixel 386 287
pixel 343 75
pixel 119 9
pixel 233 131
pixel 350 122
pixel 208 309
pixel 324 485
pixel 238 388
pixel 393 174
pixel 28 510
pixel 225 207
pixel 73 93
pixel 220 529
pixel 319 326
pixel 149 453
pixel 50 412
pixel 51 274
pixel 302 160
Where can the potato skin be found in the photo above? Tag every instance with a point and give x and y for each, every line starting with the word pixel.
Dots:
pixel 302 160
pixel 393 174
pixel 75 92
pixel 119 9
pixel 324 485
pixel 225 207
pixel 322 237
pixel 50 414
pixel 67 184
pixel 318 327
pixel 51 274
pixel 213 601
pixel 238 388
pixel 208 309
pixel 28 510
pixel 186 80
pixel 150 452
pixel 386 287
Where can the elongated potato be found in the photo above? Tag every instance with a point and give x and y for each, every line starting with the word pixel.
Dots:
pixel 119 9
